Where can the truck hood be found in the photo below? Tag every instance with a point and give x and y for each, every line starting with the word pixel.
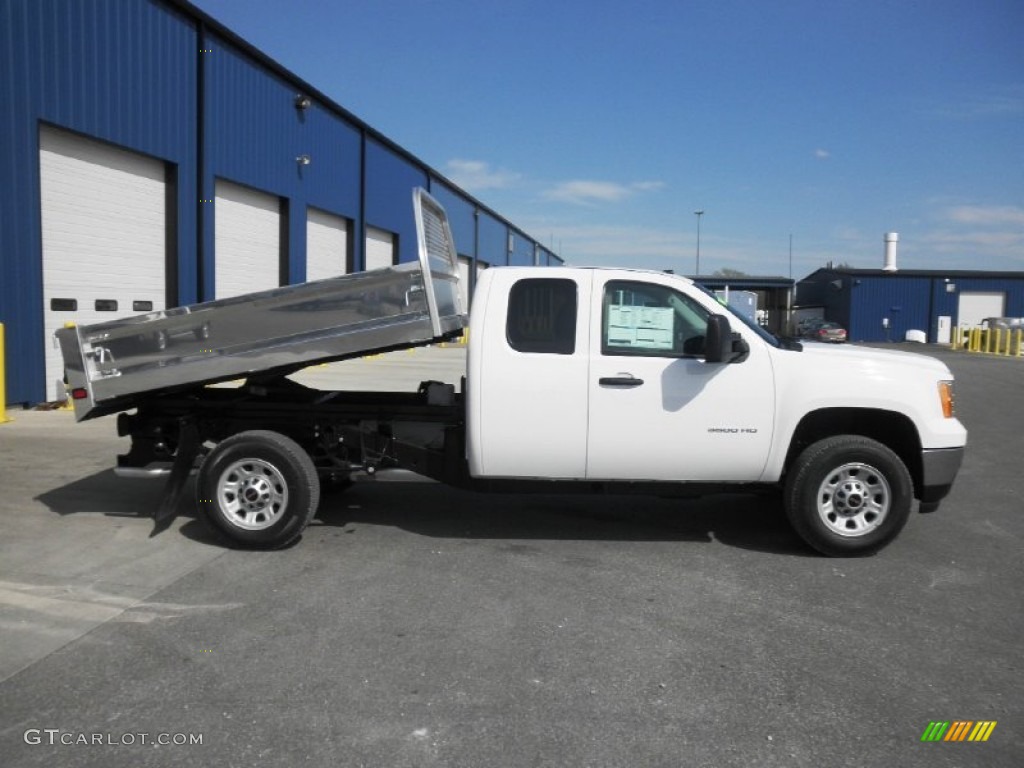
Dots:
pixel 869 357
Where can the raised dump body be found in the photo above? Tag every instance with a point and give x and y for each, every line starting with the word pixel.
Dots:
pixel 111 366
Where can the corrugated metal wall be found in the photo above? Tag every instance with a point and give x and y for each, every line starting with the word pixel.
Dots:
pixel 162 79
pixel 389 181
pixel 861 301
pixel 903 301
pixel 461 217
pixel 522 250
pixel 122 72
pixel 492 240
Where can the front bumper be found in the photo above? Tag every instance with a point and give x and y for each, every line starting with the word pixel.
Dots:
pixel 939 467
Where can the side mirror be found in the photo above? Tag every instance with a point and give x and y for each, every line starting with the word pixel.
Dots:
pixel 721 344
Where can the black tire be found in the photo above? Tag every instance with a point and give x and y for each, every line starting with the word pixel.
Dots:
pixel 258 489
pixel 848 495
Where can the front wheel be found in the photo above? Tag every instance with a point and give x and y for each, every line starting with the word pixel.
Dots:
pixel 258 489
pixel 848 495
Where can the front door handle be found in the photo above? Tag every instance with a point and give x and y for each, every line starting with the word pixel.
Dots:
pixel 619 381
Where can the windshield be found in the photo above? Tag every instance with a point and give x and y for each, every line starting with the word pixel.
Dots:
pixel 771 338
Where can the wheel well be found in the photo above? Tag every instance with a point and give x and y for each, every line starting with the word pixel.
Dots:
pixel 889 428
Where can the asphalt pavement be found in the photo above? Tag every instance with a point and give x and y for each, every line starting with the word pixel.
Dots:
pixel 416 625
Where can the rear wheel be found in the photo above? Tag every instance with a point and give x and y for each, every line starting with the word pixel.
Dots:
pixel 848 495
pixel 258 489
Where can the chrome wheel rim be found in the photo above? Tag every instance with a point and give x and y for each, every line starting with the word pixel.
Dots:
pixel 252 494
pixel 854 499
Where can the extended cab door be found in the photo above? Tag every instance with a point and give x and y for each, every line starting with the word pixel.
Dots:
pixel 657 410
pixel 528 358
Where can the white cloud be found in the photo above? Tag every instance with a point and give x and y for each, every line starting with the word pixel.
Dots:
pixel 997 102
pixel 476 175
pixel 981 236
pixel 977 242
pixel 647 186
pixel 588 192
pixel 993 215
pixel 822 154
pixel 849 234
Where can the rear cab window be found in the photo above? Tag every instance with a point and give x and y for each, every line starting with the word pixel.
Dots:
pixel 542 316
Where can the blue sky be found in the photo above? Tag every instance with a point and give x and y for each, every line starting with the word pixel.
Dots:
pixel 599 127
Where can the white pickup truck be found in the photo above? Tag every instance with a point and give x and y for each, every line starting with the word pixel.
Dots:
pixel 578 379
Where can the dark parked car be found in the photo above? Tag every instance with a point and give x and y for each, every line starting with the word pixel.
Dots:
pixel 825 330
pixel 804 325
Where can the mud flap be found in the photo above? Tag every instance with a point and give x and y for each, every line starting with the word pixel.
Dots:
pixel 184 458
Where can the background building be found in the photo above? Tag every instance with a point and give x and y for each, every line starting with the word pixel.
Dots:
pixel 881 305
pixel 150 158
pixel 764 300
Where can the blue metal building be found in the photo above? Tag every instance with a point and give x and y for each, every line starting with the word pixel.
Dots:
pixel 124 119
pixel 881 305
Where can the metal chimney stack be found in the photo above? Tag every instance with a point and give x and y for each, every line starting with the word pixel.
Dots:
pixel 891 239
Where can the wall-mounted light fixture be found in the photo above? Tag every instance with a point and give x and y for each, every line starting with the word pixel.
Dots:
pixel 302 102
pixel 303 159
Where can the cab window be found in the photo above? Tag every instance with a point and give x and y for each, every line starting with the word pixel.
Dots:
pixel 651 320
pixel 542 316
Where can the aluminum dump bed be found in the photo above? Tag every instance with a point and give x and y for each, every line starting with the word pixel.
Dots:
pixel 113 366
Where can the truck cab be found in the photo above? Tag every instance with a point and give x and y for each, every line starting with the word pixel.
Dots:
pixel 595 374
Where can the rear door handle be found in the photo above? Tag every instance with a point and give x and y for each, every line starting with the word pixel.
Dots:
pixel 620 381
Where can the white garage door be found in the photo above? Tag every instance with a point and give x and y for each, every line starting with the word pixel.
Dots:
pixel 465 268
pixel 326 245
pixel 975 306
pixel 247 240
pixel 104 223
pixel 380 248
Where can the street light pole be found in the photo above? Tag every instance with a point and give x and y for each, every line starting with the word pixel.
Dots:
pixel 698 214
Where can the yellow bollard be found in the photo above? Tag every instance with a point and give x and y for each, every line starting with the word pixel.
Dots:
pixel 3 379
pixel 67 404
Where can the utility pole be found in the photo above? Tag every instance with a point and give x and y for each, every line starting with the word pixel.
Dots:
pixel 698 214
pixel 790 256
